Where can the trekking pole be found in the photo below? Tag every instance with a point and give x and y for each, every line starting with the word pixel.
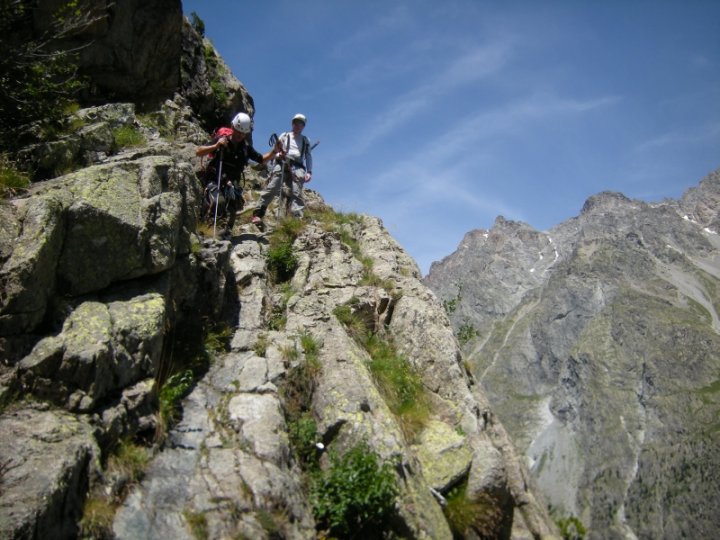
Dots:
pixel 280 211
pixel 217 198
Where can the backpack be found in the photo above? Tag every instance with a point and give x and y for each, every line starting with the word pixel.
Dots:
pixel 219 132
pixel 206 170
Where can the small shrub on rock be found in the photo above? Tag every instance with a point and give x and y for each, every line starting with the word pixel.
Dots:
pixel 571 528
pixel 356 496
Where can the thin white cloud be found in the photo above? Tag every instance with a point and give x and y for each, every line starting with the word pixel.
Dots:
pixel 422 216
pixel 387 23
pixel 696 135
pixel 442 179
pixel 700 61
pixel 473 65
pixel 458 146
pixel 514 117
pixel 413 191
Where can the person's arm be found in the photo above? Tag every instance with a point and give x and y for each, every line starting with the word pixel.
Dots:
pixel 262 158
pixel 210 148
pixel 257 157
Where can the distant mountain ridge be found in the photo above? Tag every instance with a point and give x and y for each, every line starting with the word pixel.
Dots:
pixel 598 345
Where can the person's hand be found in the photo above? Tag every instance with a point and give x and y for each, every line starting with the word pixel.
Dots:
pixel 279 148
pixel 308 177
pixel 222 141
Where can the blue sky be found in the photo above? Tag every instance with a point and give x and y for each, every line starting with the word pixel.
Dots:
pixel 438 116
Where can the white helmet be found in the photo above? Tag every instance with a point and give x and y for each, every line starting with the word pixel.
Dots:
pixel 242 123
pixel 299 118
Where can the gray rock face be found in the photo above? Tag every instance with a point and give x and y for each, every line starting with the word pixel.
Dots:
pixel 100 272
pixel 146 52
pixel 231 448
pixel 228 462
pixel 136 48
pixel 131 217
pixel 102 349
pixel 597 345
pixel 213 92
pixel 701 204
pixel 48 458
pixel 228 465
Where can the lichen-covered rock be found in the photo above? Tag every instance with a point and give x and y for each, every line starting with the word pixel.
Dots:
pixel 444 454
pixel 100 225
pixel 112 115
pixel 47 460
pixel 102 349
pixel 8 229
pixel 28 277
pixel 90 139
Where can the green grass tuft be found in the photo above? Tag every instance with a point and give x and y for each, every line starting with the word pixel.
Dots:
pixel 11 179
pixel 128 460
pixel 127 136
pixel 396 379
pixel 198 524
pixel 571 528
pixel 98 516
pixel 479 517
pixel 281 259
pixel 176 387
pixel 400 385
pixel 261 345
pixel 310 346
pixel 303 435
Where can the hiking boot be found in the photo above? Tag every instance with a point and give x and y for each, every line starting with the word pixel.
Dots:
pixel 226 235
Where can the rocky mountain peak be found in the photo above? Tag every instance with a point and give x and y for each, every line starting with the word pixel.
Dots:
pixel 702 203
pixel 608 201
pixel 595 361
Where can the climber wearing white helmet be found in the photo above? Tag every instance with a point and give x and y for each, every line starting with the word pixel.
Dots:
pixel 231 152
pixel 297 162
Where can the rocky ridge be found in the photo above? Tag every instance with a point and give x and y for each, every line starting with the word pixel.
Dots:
pixel 231 448
pixel 105 279
pixel 596 343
